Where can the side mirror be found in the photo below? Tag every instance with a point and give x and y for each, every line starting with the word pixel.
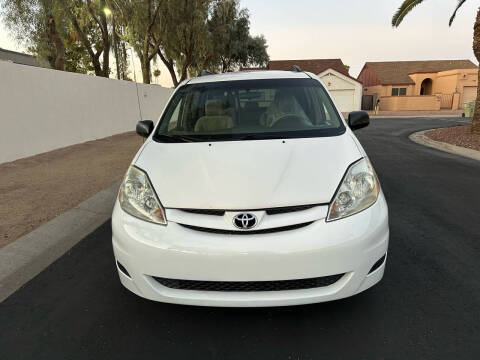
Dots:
pixel 358 120
pixel 144 128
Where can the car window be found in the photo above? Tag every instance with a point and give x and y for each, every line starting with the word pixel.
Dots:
pixel 260 109
pixel 173 123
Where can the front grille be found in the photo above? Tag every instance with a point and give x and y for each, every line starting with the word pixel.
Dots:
pixel 205 211
pixel 246 232
pixel 248 286
pixel 288 209
pixel 270 211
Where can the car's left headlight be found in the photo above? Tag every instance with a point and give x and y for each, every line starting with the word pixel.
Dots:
pixel 359 190
pixel 137 197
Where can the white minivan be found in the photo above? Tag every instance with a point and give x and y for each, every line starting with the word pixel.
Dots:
pixel 251 190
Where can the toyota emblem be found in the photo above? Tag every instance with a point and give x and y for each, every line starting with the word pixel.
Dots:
pixel 245 221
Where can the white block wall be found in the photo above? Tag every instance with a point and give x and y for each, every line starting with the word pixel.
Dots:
pixel 43 109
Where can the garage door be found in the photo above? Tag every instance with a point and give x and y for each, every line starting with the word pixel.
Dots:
pixel 344 99
pixel 469 94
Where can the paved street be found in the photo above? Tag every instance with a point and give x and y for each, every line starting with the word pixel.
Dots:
pixel 426 307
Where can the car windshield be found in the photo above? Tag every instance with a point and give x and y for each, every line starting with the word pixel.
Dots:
pixel 249 109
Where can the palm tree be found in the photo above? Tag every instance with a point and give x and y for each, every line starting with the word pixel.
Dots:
pixel 408 6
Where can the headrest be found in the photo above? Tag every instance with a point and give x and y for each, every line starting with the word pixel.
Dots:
pixel 213 108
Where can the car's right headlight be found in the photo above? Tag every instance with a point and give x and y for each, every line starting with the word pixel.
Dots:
pixel 359 190
pixel 137 197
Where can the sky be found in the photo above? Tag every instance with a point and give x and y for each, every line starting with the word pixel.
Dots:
pixel 354 30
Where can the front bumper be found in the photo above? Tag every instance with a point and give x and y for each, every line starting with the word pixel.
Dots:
pixel 349 246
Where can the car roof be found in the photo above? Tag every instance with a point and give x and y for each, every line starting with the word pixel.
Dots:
pixel 249 75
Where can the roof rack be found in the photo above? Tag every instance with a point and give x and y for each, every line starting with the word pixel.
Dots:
pixel 295 68
pixel 205 73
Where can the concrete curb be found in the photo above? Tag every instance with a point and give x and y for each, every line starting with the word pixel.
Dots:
pixel 422 139
pixel 21 260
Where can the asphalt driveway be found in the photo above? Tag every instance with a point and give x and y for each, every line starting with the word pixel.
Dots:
pixel 426 307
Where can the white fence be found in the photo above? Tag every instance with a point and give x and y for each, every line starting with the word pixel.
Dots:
pixel 43 109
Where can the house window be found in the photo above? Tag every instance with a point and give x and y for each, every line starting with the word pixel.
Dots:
pixel 399 91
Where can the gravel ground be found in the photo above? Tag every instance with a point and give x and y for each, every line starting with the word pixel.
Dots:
pixel 36 189
pixel 456 135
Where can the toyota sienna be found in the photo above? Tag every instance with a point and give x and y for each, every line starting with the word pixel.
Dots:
pixel 251 190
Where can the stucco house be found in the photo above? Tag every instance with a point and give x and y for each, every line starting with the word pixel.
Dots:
pixel 346 90
pixel 419 85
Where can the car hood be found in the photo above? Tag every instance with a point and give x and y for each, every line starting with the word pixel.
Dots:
pixel 247 175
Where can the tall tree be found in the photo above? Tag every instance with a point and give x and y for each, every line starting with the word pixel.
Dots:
pixel 118 41
pixel 38 24
pixel 140 20
pixel 74 42
pixel 187 35
pixel 408 5
pixel 57 51
pixel 169 63
pixel 206 34
pixel 232 44
pixel 183 35
pixel 89 21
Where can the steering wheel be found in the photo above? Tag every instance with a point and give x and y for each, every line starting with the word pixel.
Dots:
pixel 291 121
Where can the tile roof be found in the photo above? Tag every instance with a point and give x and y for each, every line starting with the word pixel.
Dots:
pixel 396 72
